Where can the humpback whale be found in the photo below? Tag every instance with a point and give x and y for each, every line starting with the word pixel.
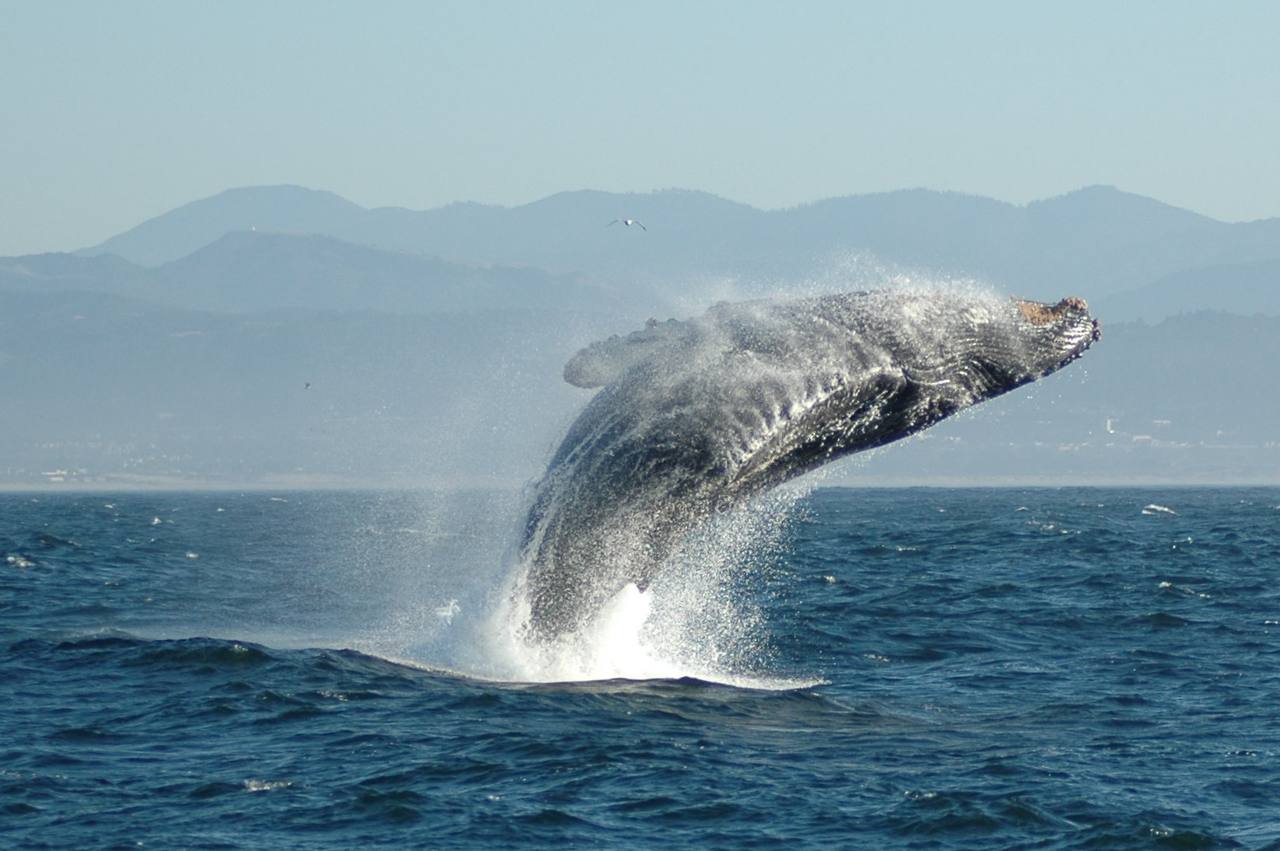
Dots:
pixel 697 416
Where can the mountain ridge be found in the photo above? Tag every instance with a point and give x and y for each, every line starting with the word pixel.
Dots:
pixel 1097 238
pixel 247 271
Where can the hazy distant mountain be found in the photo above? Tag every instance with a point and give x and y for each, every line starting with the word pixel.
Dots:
pixel 47 272
pixel 1240 288
pixel 551 233
pixel 1094 242
pixel 245 271
pixel 285 209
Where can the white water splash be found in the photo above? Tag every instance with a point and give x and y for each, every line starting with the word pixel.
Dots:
pixel 695 621
pixel 611 646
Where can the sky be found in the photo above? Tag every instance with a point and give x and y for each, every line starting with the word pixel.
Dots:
pixel 116 112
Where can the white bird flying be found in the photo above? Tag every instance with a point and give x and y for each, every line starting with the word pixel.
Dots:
pixel 628 223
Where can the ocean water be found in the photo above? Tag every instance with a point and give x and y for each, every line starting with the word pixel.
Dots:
pixel 920 668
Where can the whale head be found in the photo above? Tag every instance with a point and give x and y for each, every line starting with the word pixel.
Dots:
pixel 1058 334
pixel 974 348
pixel 839 374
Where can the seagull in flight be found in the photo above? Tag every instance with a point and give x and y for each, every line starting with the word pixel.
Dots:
pixel 628 223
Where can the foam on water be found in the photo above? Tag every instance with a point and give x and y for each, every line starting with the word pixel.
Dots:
pixel 611 646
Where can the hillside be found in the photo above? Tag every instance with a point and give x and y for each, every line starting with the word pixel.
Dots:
pixel 246 271
pixel 1241 288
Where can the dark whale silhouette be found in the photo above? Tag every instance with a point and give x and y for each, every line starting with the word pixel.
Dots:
pixel 698 416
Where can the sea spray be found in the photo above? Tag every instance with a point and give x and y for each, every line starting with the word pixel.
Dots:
pixel 701 616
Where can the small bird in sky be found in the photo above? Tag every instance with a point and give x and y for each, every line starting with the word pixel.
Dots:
pixel 628 223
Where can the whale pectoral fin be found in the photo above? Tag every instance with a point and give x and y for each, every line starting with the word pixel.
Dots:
pixel 603 361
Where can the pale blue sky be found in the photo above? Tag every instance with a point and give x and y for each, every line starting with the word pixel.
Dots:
pixel 114 112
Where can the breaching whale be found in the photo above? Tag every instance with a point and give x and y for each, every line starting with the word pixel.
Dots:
pixel 698 416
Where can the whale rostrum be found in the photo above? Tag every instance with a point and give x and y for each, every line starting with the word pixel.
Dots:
pixel 697 416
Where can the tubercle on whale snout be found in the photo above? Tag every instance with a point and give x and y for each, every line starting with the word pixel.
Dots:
pixel 1069 309
pixel 1074 304
pixel 1038 313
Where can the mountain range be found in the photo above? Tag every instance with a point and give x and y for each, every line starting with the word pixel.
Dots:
pixel 279 334
pixel 1099 241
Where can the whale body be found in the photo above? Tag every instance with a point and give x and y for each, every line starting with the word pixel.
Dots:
pixel 698 416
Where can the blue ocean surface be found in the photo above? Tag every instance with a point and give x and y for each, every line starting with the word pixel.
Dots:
pixel 916 668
